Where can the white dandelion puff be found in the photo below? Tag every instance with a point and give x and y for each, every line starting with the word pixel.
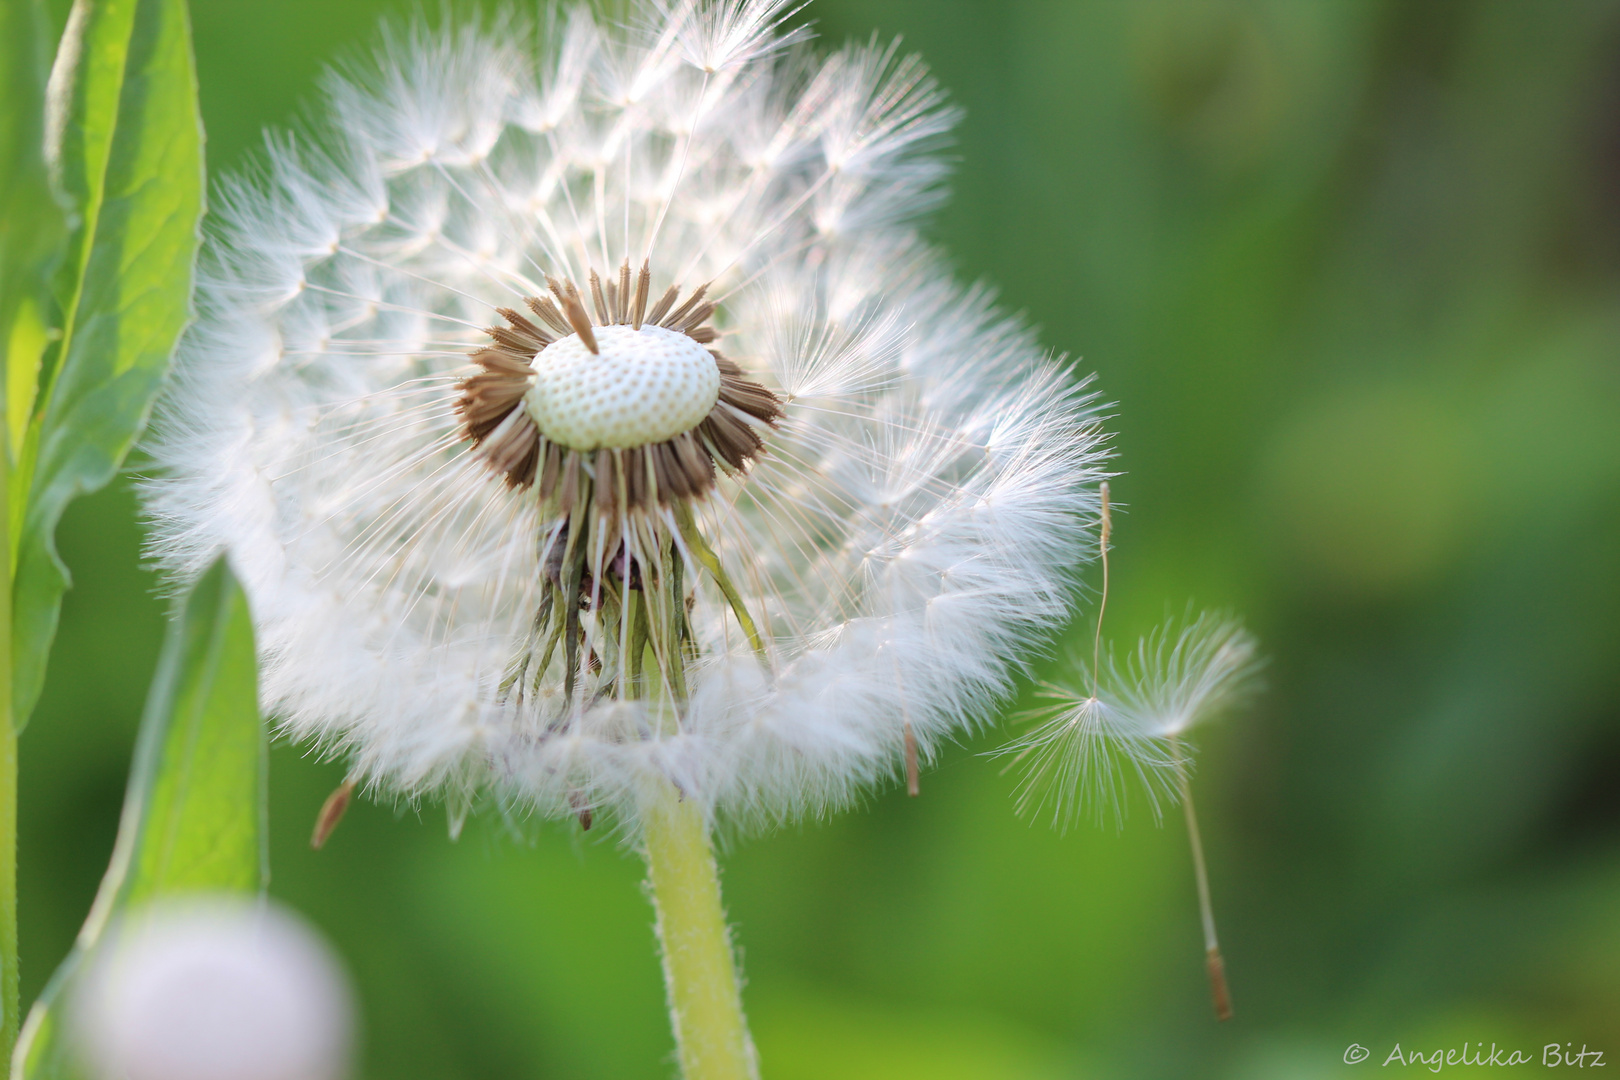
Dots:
pixel 590 417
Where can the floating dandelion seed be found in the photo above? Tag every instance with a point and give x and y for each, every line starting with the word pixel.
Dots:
pixel 590 425
pixel 1131 719
pixel 1085 746
pixel 1129 722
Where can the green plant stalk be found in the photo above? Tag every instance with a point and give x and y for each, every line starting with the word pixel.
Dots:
pixel 10 1000
pixel 10 996
pixel 31 228
pixel 700 970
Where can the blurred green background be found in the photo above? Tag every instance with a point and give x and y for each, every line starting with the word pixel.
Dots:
pixel 1350 270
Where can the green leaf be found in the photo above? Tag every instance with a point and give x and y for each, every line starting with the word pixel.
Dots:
pixel 124 142
pixel 194 812
pixel 32 225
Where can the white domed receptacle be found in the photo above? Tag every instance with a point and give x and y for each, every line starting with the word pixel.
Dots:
pixel 641 387
pixel 213 987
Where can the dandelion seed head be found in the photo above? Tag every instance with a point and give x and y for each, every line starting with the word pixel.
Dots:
pixel 582 411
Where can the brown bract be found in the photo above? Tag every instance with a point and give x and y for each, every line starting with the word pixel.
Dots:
pixel 680 468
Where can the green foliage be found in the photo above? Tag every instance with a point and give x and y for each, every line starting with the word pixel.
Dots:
pixel 194 811
pixel 124 144
pixel 31 222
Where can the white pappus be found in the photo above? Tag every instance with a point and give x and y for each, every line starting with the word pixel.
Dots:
pixel 1130 720
pixel 581 409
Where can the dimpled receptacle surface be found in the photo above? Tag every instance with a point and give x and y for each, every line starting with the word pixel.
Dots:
pixel 646 386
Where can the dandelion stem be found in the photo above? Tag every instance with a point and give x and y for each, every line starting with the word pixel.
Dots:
pixel 700 972
pixel 1219 992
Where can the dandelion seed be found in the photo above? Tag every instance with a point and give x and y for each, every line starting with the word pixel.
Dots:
pixel 331 814
pixel 1084 748
pixel 1131 720
pixel 1077 757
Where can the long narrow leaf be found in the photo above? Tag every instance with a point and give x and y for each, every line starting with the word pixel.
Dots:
pixel 31 221
pixel 194 812
pixel 124 141
pixel 32 228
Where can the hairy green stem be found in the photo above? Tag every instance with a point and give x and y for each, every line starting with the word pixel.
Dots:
pixel 700 971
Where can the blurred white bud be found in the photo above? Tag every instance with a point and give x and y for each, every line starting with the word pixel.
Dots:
pixel 214 988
